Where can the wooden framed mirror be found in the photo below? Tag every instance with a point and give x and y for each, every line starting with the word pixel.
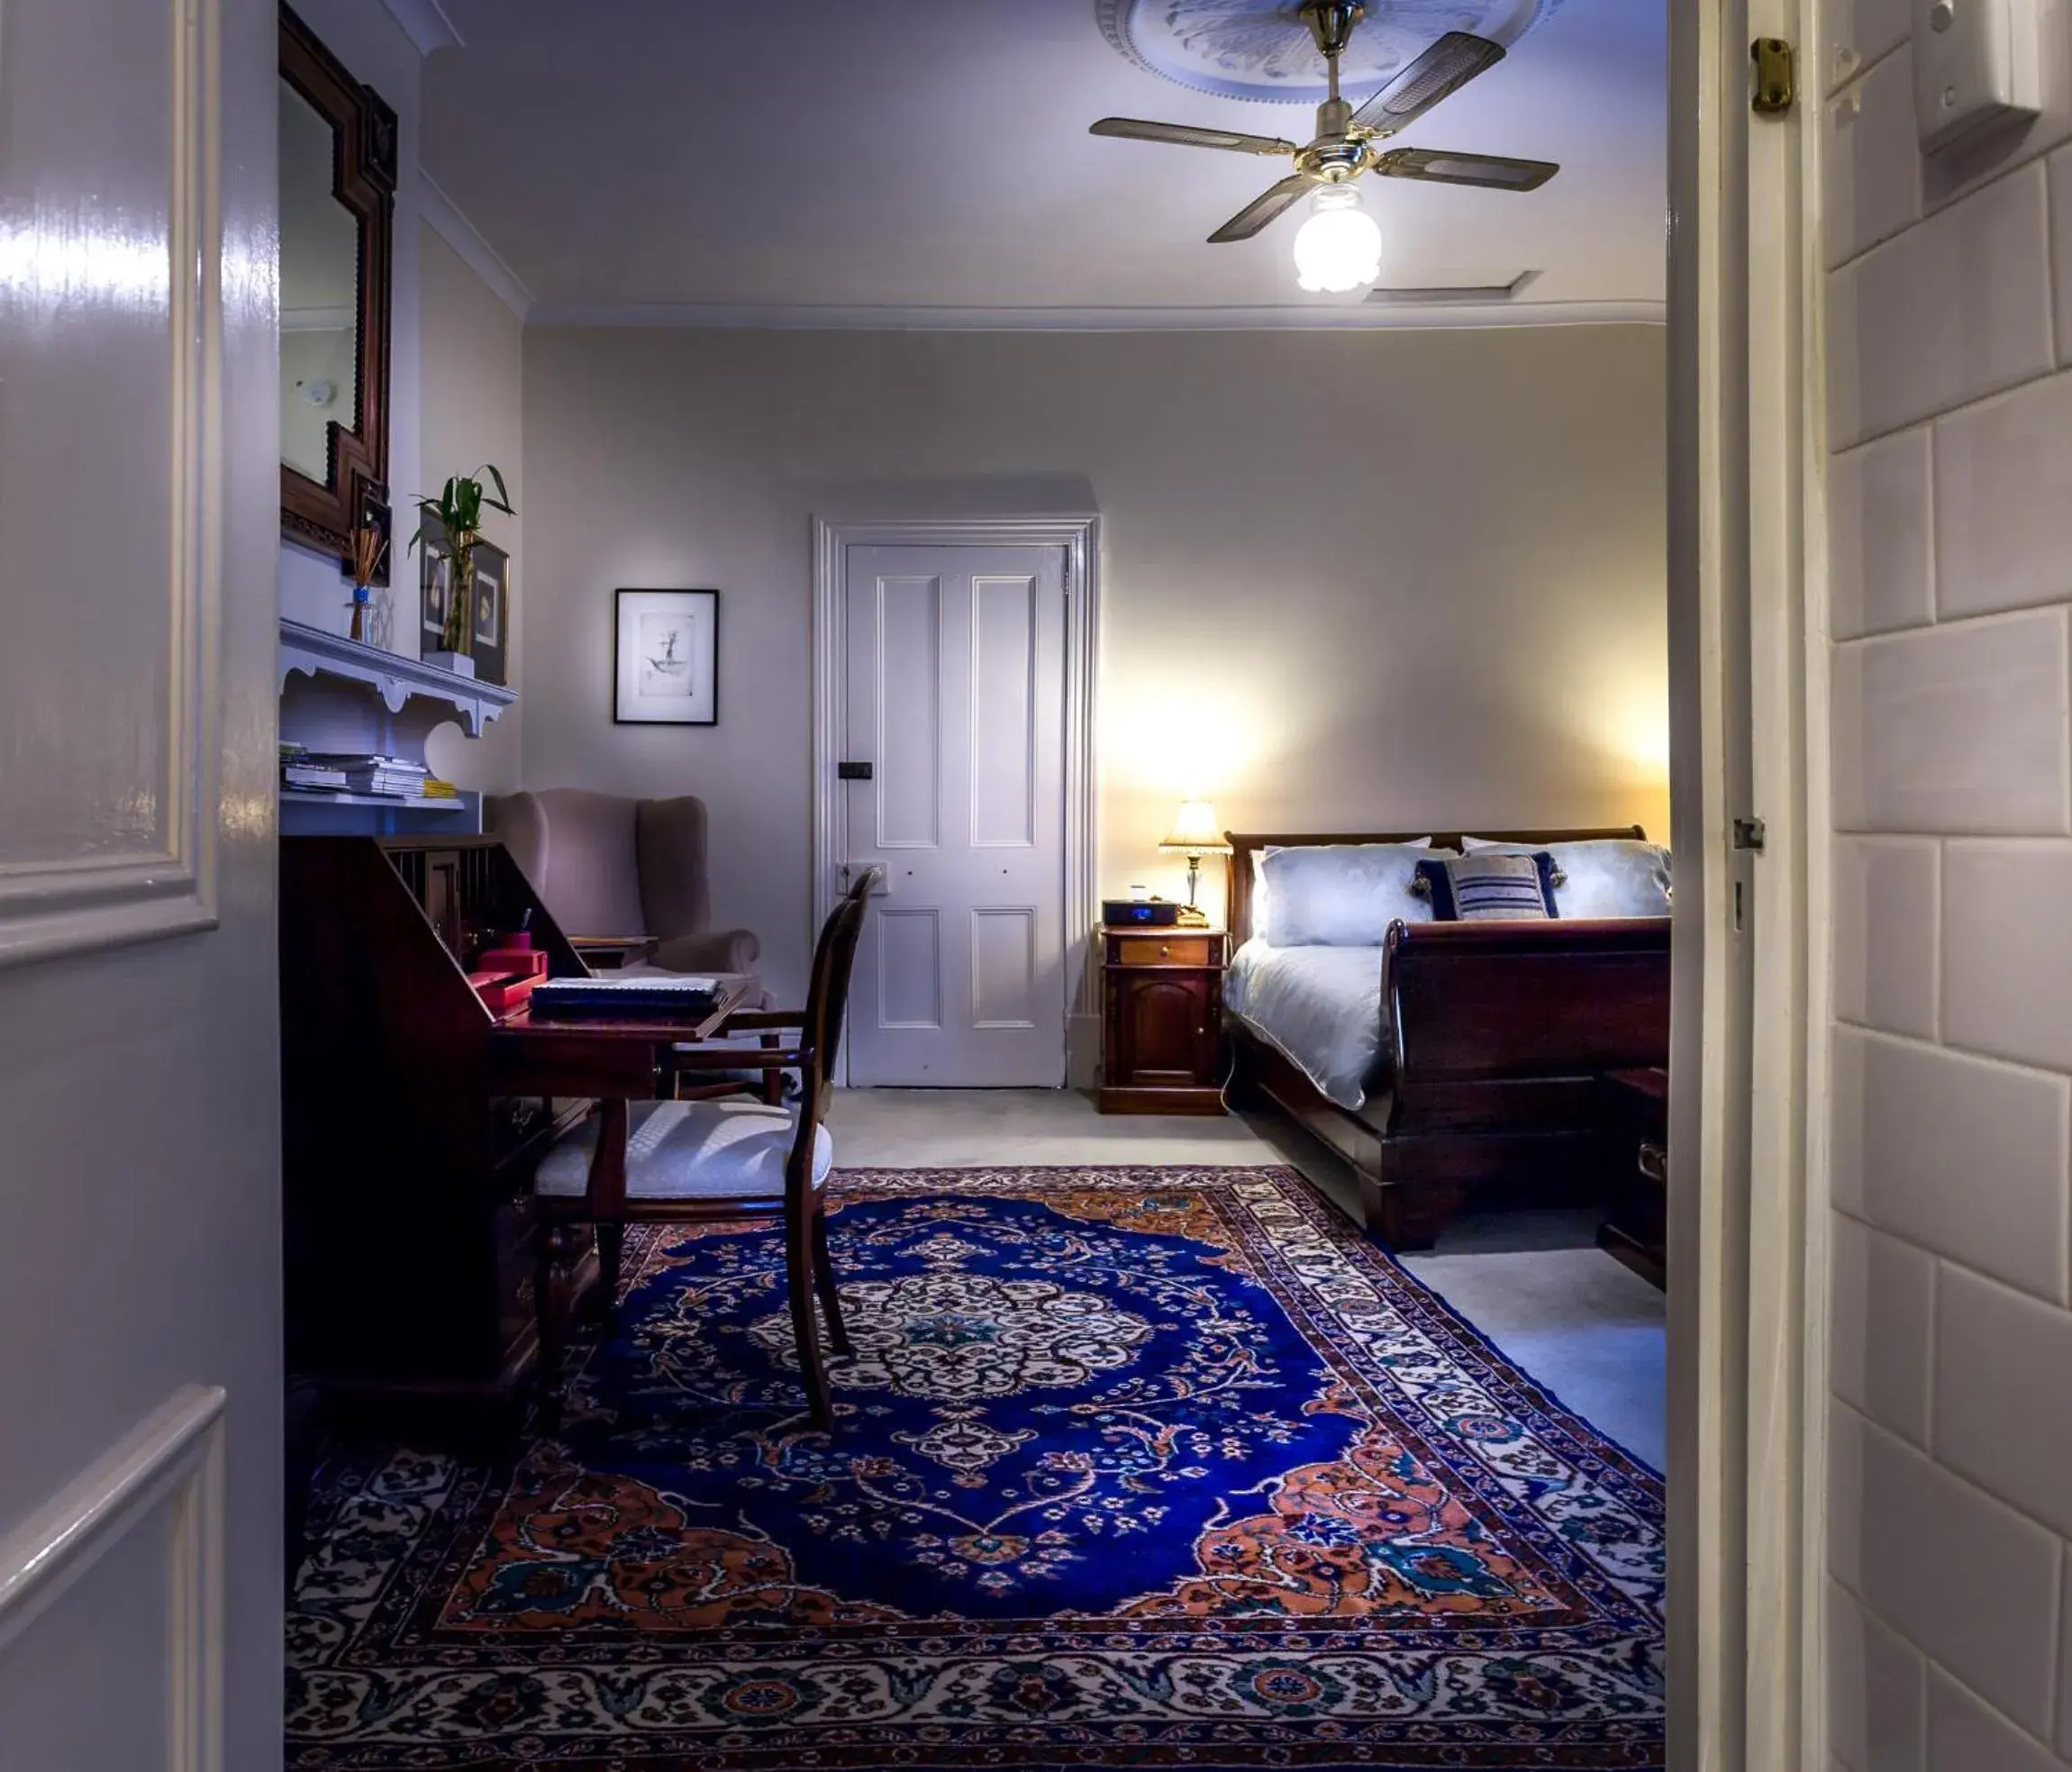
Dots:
pixel 337 244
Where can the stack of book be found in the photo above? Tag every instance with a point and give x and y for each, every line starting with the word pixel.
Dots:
pixel 299 769
pixel 354 772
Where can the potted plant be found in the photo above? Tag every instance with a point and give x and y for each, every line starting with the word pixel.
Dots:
pixel 458 511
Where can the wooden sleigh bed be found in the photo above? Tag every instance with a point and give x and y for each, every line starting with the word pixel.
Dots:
pixel 1494 1037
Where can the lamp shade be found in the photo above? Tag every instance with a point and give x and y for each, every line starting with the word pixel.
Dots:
pixel 1196 831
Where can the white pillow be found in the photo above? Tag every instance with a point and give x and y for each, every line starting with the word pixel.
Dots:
pixel 1340 894
pixel 1609 877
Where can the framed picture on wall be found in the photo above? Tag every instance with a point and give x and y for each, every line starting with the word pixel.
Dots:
pixel 489 618
pixel 434 589
pixel 666 645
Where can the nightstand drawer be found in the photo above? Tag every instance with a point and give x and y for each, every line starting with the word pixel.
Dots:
pixel 1165 947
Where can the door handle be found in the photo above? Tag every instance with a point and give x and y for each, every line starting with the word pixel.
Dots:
pixel 852 771
pixel 880 880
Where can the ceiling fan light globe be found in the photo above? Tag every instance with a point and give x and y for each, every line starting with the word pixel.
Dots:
pixel 1339 247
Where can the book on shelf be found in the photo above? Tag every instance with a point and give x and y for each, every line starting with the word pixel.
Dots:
pixel 298 775
pixel 360 759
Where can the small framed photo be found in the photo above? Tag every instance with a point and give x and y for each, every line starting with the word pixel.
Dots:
pixel 434 587
pixel 489 611
pixel 666 644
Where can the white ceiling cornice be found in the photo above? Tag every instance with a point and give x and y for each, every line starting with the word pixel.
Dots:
pixel 1363 318
pixel 425 23
pixel 442 216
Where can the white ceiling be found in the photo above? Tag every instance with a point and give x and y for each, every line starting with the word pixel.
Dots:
pixel 927 161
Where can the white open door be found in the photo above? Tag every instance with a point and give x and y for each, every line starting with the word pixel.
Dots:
pixel 953 776
pixel 140 1237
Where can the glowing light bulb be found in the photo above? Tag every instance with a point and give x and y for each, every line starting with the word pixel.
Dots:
pixel 1339 247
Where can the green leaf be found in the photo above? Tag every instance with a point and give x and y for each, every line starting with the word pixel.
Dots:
pixel 503 491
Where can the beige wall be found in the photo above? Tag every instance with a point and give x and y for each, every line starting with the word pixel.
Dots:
pixel 472 412
pixel 1951 406
pixel 1351 581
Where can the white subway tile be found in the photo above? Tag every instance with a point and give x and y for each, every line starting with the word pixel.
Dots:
pixel 2007 950
pixel 1870 171
pixel 2003 501
pixel 1878 1690
pixel 1878 548
pixel 1951 310
pixel 1958 729
pixel 1857 33
pixel 1882 1313
pixel 1886 893
pixel 1956 1572
pixel 2004 1394
pixel 1966 1735
pixel 1963 1155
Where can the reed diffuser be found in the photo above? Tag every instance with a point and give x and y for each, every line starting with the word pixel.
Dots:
pixel 369 548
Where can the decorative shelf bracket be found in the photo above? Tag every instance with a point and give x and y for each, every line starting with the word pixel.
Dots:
pixel 397 679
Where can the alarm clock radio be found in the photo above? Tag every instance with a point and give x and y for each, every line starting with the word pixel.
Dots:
pixel 1154 913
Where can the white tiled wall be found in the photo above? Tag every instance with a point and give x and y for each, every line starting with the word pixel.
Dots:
pixel 1949 316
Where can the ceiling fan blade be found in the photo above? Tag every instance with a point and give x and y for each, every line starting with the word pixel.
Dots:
pixel 1263 209
pixel 1496 172
pixel 1186 135
pixel 1444 69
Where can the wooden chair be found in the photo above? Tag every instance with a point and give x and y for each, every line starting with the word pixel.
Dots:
pixel 685 1161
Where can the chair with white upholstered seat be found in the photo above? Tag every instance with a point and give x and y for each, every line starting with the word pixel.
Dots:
pixel 690 1161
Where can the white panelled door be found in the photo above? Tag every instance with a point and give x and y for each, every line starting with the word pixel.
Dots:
pixel 139 1122
pixel 956 703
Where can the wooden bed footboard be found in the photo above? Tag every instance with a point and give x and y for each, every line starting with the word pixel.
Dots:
pixel 1497 1033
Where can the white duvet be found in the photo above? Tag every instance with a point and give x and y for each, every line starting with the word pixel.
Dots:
pixel 1319 1007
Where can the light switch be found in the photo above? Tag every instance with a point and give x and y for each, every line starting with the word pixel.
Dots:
pixel 1975 65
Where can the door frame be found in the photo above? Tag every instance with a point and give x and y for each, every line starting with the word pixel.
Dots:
pixel 1079 536
pixel 1749 1190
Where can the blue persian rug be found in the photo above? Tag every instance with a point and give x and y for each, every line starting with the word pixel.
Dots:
pixel 1153 1468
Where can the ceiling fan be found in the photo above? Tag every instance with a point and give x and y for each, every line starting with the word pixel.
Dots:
pixel 1340 246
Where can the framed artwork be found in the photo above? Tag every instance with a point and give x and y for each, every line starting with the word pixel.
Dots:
pixel 434 586
pixel 666 645
pixel 490 620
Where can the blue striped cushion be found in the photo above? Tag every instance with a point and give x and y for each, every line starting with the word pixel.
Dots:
pixel 1490 888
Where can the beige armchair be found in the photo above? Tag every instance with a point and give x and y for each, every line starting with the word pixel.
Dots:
pixel 607 866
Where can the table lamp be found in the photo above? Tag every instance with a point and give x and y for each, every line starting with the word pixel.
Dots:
pixel 1196 834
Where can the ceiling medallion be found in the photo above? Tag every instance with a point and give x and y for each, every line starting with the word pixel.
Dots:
pixel 1261 49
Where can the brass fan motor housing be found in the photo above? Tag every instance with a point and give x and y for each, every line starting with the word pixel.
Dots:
pixel 1330 22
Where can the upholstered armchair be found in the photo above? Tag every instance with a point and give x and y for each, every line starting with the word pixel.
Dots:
pixel 608 865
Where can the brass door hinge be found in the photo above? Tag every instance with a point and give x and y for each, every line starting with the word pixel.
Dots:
pixel 1777 77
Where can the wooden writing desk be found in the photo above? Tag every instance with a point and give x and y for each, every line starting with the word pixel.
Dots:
pixel 621 1057
pixel 415 1117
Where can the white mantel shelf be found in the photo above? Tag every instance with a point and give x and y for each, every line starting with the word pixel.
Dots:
pixel 395 678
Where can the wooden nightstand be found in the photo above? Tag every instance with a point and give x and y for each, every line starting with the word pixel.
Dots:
pixel 1162 1015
